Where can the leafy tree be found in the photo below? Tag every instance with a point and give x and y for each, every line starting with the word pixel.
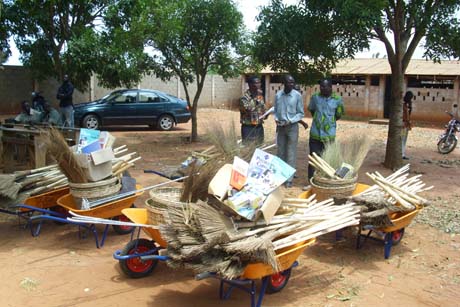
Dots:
pixel 5 51
pixel 187 39
pixel 49 34
pixel 313 35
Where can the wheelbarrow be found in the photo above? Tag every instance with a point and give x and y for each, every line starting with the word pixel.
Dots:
pixel 390 235
pixel 39 203
pixel 109 210
pixel 140 257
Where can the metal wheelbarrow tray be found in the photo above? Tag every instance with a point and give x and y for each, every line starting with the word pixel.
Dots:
pixel 43 203
pixel 140 257
pixel 391 235
pixel 111 210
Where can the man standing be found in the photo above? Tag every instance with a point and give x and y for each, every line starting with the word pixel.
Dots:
pixel 326 108
pixel 288 112
pixel 252 107
pixel 64 95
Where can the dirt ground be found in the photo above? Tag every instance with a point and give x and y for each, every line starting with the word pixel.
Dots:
pixel 58 268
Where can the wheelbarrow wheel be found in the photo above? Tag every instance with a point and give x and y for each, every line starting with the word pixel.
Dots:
pixel 397 236
pixel 122 230
pixel 135 267
pixel 278 281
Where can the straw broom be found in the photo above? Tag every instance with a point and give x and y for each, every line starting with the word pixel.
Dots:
pixel 69 165
pixel 13 190
pixel 22 196
pixel 8 180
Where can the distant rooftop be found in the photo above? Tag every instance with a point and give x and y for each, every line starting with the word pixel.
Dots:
pixel 382 67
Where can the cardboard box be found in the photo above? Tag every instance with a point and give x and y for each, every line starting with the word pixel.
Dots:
pixel 220 184
pixel 97 165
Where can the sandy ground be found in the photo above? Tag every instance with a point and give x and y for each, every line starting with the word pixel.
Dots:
pixel 58 268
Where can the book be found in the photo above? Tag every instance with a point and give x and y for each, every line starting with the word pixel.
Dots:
pixel 267 172
pixel 106 139
pixel 88 136
pixel 239 173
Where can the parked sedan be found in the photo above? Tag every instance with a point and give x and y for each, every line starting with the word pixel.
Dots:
pixel 133 107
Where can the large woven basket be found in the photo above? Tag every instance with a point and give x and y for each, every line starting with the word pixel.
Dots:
pixel 94 190
pixel 160 200
pixel 327 188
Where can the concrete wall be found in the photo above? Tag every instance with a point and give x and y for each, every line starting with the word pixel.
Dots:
pixel 16 85
pixel 216 91
pixel 359 100
pixel 430 104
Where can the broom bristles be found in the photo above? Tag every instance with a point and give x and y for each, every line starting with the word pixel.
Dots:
pixel 12 191
pixel 69 165
pixel 6 180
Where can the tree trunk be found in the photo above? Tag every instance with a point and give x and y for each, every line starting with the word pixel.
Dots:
pixel 393 155
pixel 194 136
pixel 199 89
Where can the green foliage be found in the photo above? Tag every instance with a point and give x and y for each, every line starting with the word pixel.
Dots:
pixel 308 39
pixel 5 51
pixel 186 39
pixel 52 35
pixel 193 37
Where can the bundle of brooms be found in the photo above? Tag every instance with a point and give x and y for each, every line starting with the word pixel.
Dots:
pixel 395 193
pixel 201 238
pixel 225 146
pixel 351 151
pixel 337 168
pixel 60 151
pixel 17 187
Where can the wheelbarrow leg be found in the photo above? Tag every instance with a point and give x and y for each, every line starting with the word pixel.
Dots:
pixel 388 244
pixel 104 235
pixel 263 287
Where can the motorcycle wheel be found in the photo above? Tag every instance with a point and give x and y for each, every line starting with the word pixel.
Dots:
pixel 447 144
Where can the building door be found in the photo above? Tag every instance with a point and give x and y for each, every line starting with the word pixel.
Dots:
pixel 387 99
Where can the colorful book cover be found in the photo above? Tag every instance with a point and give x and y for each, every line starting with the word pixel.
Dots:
pixel 239 173
pixel 88 136
pixel 267 172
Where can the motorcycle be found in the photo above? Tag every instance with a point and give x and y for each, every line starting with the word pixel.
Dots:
pixel 448 140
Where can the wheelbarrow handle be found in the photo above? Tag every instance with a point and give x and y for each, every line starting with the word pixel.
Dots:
pixel 204 275
pixel 151 171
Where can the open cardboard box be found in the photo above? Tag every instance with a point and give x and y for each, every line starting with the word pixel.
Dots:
pixel 219 185
pixel 97 165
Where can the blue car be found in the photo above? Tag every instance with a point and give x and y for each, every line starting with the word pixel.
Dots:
pixel 133 107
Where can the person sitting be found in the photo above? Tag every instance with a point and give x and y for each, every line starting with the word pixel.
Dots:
pixel 28 115
pixel 38 101
pixel 50 115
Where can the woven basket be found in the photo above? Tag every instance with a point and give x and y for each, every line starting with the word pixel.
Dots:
pixel 94 190
pixel 333 188
pixel 160 200
pixel 323 181
pixel 155 216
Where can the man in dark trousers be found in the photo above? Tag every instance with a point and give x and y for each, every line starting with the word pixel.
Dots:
pixel 288 112
pixel 252 107
pixel 64 95
pixel 326 108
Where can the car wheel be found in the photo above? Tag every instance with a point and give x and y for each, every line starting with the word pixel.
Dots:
pixel 91 121
pixel 165 123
